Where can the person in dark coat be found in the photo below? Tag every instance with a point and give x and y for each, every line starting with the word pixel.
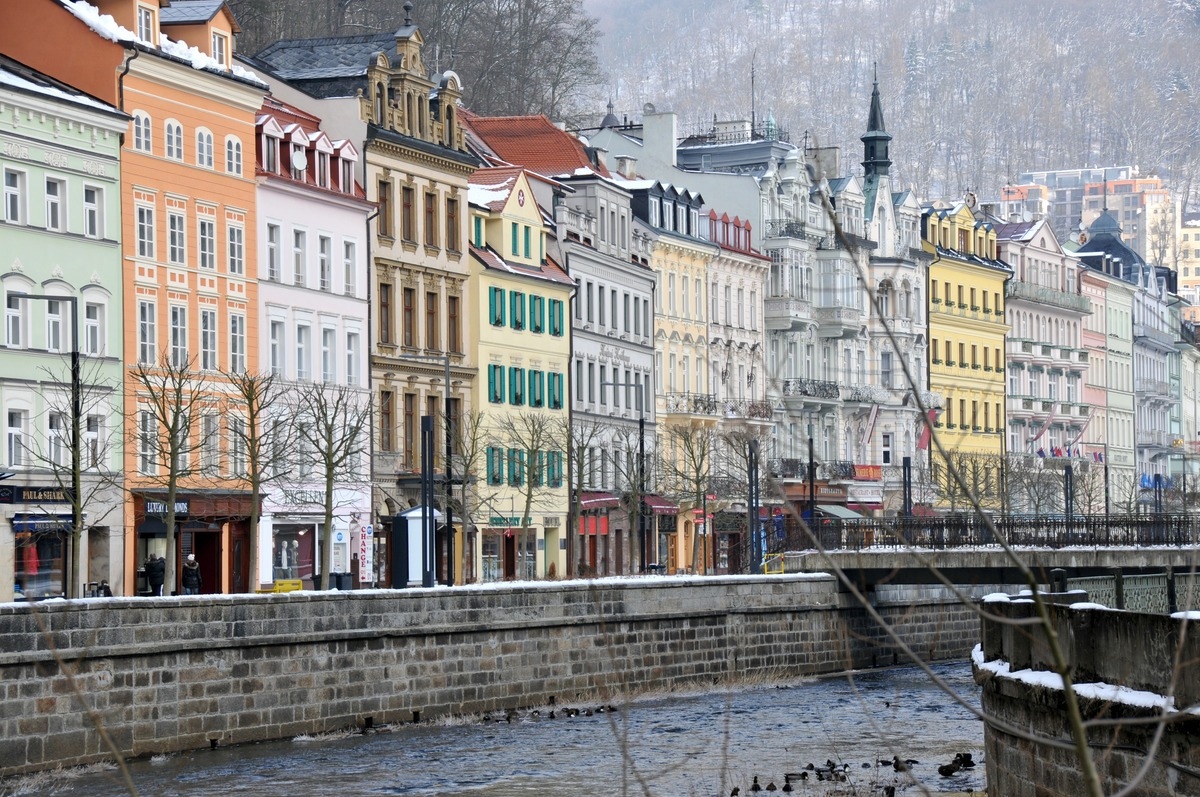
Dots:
pixel 104 590
pixel 156 571
pixel 191 576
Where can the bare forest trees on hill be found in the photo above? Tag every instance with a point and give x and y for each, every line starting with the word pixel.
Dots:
pixel 514 56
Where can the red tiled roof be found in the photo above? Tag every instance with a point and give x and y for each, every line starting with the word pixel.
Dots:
pixel 549 270
pixel 533 142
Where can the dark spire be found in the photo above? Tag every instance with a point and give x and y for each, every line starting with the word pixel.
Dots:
pixel 875 140
pixel 408 7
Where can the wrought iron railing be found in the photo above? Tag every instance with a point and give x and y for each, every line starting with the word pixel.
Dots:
pixel 694 403
pixel 814 388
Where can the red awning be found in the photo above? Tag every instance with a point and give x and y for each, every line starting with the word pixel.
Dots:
pixel 864 507
pixel 591 501
pixel 660 506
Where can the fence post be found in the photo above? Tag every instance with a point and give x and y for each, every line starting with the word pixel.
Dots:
pixel 1119 586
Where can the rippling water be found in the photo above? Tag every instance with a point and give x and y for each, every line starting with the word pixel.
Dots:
pixel 694 744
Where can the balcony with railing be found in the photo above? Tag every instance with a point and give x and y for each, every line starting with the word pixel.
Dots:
pixel 1050 296
pixel 812 388
pixel 789 468
pixel 746 408
pixel 787 313
pixel 790 228
pixel 1154 335
pixel 691 404
pixel 836 470
pixel 1152 389
pixel 1148 438
pixel 838 322
pixel 865 394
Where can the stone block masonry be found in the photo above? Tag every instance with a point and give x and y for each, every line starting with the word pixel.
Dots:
pixel 172 674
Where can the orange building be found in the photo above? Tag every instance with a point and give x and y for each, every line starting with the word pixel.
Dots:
pixel 190 290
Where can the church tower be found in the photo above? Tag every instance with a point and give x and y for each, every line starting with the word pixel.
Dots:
pixel 875 140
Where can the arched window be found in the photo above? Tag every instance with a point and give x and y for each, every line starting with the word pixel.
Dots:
pixel 142 139
pixel 174 143
pixel 204 148
pixel 233 155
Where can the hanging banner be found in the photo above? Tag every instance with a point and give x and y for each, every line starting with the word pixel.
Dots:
pixel 366 554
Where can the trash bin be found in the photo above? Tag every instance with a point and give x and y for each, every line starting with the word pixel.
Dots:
pixel 340 581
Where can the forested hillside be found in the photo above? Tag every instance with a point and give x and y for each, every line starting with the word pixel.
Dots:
pixel 975 91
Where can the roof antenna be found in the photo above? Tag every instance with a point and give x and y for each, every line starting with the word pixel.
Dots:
pixel 408 7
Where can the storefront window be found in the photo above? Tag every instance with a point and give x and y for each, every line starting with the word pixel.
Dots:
pixel 492 539
pixel 40 547
pixel 295 547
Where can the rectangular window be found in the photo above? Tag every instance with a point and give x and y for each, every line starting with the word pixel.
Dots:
pixel 452 225
pixel 93 329
pixel 147 461
pixel 409 310
pixel 303 352
pixel 516 467
pixel 384 222
pixel 145 231
pixel 145 25
pixel 208 244
pixel 516 386
pixel 55 190
pixel 324 266
pixel 556 317
pixel 496 306
pixel 556 391
pixel 431 231
pixel 237 249
pixel 387 420
pixel 453 336
pixel 410 430
pixel 14 197
pixel 237 343
pixel 208 340
pixel 527 249
pixel 54 326
pixel 328 356
pixel 432 337
pixel 349 270
pixel 352 358
pixel 147 333
pixel 210 443
pixel 237 446
pixel 408 218
pixel 495 465
pixel 93 212
pixel 179 347
pixel 885 369
pixel 277 344
pixel 273 270
pixel 91 441
pixel 385 313
pixel 516 243
pixel 56 426
pixel 18 449
pixel 886 445
pixel 537 388
pixel 537 313
pixel 299 256
pixel 496 384
pixel 176 238
pixel 517 309
pixel 555 474
pixel 478 221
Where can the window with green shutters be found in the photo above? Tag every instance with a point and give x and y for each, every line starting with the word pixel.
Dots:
pixel 479 231
pixel 556 390
pixel 556 317
pixel 539 469
pixel 527 248
pixel 515 242
pixel 496 384
pixel 555 469
pixel 516 467
pixel 516 386
pixel 537 388
pixel 537 313
pixel 496 306
pixel 517 309
pixel 495 465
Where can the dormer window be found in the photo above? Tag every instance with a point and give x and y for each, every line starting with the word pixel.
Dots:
pixel 271 154
pixel 323 169
pixel 220 48
pixel 145 24
pixel 298 162
pixel 347 175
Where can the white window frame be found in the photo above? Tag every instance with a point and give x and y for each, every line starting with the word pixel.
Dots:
pixel 92 432
pixel 143 132
pixel 56 439
pixel 273 270
pixel 17 422
pixel 206 243
pixel 204 148
pixel 208 340
pixel 14 322
pixel 233 155
pixel 93 329
pixel 278 334
pixel 220 48
pixel 237 446
pixel 147 450
pixel 299 257
pixel 145 231
pixel 93 212
pixel 54 325
pixel 271 153
pixel 173 144
pixel 176 238
pixel 328 358
pixel 56 210
pixel 349 267
pixel 324 265
pixel 210 443
pixel 145 24
pixel 179 335
pixel 147 332
pixel 14 196
pixel 352 339
pixel 237 343
pixel 303 352
pixel 235 235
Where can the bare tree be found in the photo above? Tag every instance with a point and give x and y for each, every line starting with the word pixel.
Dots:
pixel 169 396
pixel 261 436
pixel 470 451
pixel 686 461
pixel 580 434
pixel 332 424
pixel 1032 484
pixel 965 478
pixel 532 437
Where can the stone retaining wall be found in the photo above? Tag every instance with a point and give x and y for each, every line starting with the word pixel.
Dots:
pixel 172 674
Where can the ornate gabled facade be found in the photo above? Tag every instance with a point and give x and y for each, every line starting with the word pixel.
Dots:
pixel 415 166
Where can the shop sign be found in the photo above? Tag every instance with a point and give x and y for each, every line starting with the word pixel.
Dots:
pixel 302 497
pixel 35 495
pixel 160 507
pixel 497 520
pixel 42 523
pixel 551 521
pixel 868 473
pixel 366 553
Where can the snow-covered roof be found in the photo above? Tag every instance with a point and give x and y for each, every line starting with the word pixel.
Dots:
pixel 22 78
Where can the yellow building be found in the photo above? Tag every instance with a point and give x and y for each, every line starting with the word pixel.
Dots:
pixel 519 494
pixel 966 342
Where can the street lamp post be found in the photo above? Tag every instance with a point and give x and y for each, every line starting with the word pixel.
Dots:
pixel 430 541
pixel 76 433
pixel 639 392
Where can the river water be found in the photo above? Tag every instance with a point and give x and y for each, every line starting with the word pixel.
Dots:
pixel 677 744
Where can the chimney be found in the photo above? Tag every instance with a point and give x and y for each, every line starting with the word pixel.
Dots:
pixel 659 135
pixel 627 166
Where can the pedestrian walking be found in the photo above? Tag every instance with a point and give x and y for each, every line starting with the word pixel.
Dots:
pixel 104 590
pixel 191 576
pixel 156 571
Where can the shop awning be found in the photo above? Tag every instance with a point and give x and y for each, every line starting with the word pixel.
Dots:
pixel 659 505
pixel 839 512
pixel 595 500
pixel 867 507
pixel 41 523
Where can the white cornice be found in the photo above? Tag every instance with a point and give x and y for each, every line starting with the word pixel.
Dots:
pixel 208 85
